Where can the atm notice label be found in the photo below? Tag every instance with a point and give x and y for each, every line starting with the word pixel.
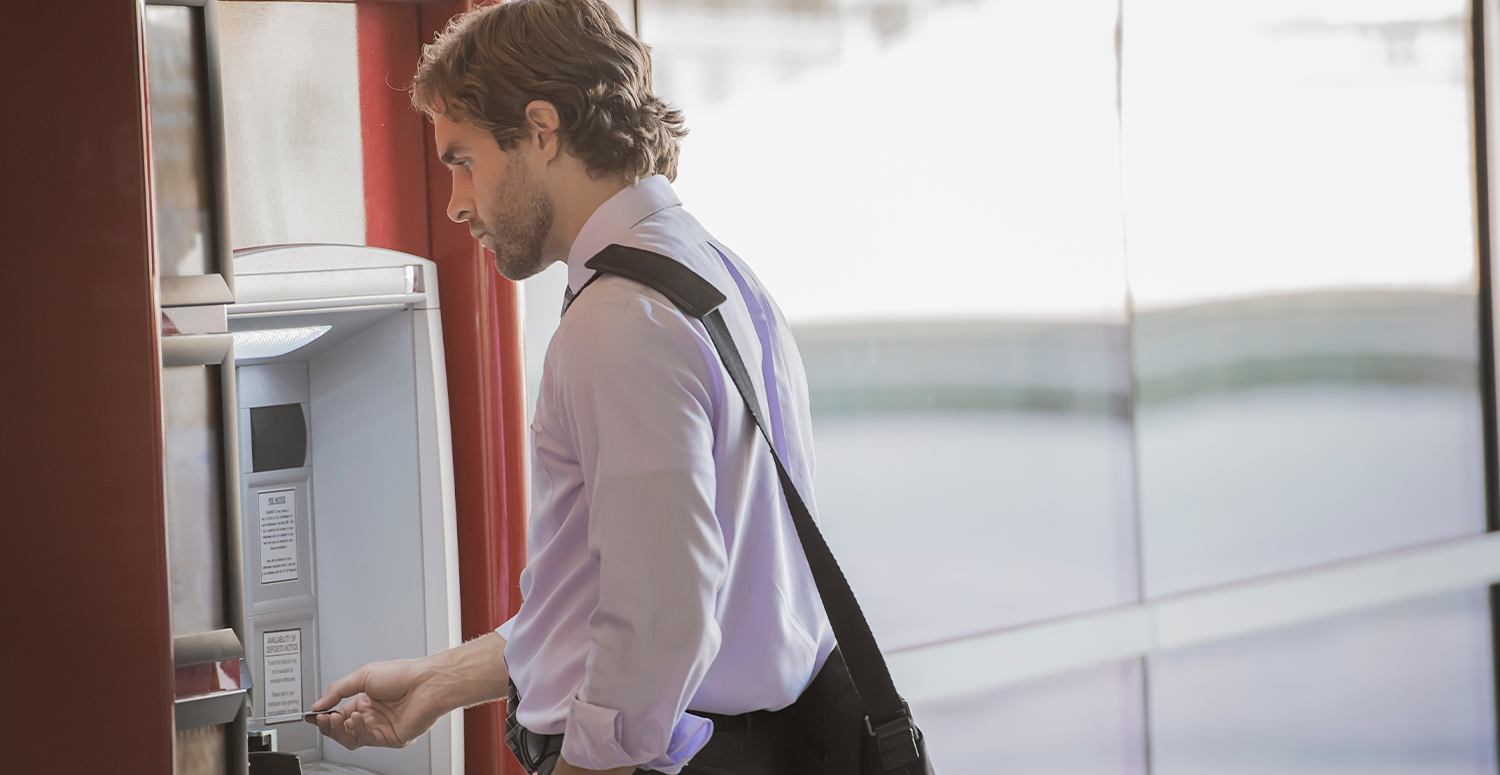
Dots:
pixel 278 536
pixel 283 674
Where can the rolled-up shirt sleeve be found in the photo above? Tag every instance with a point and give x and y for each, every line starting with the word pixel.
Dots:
pixel 638 386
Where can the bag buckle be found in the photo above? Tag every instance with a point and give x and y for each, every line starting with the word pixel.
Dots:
pixel 896 740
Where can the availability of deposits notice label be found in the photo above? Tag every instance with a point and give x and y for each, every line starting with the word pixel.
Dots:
pixel 278 536
pixel 283 675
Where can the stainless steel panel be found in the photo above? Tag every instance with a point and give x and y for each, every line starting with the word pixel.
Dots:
pixel 182 176
pixel 384 281
pixel 193 415
pixel 291 90
pixel 293 735
pixel 269 596
pixel 195 350
pixel 215 646
pixel 233 548
pixel 283 383
pixel 209 710
pixel 179 321
pixel 417 280
pixel 368 507
pixel 197 289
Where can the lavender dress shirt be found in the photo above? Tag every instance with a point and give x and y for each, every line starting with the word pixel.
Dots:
pixel 663 571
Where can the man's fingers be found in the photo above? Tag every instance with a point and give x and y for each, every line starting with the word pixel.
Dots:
pixel 362 731
pixel 334 725
pixel 357 723
pixel 371 729
pixel 322 719
pixel 348 686
pixel 327 723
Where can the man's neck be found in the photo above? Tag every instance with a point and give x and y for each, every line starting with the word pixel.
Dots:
pixel 575 200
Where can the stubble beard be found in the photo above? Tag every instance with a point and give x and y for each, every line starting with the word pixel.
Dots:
pixel 526 218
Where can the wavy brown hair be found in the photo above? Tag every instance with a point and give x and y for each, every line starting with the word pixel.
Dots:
pixel 491 62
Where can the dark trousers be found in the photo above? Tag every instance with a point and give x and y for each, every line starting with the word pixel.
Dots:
pixel 819 733
pixel 759 743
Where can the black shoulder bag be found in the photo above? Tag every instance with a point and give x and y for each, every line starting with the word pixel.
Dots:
pixel 857 722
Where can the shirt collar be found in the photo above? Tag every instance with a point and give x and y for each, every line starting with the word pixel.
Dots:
pixel 618 214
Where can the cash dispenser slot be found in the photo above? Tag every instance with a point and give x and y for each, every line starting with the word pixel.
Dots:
pixel 348 531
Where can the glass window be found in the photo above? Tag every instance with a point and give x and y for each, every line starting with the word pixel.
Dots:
pixel 1089 722
pixel 292 127
pixel 1402 689
pixel 181 177
pixel 1302 260
pixel 931 191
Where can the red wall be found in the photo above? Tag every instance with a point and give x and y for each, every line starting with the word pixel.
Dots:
pixel 406 198
pixel 85 653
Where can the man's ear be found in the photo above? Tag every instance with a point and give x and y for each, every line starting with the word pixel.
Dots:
pixel 544 123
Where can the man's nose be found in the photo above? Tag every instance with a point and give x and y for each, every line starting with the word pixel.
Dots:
pixel 456 212
pixel 460 205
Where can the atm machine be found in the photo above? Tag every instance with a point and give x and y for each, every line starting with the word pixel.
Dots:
pixel 310 520
pixel 346 486
pixel 321 535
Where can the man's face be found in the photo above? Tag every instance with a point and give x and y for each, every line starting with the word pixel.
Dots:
pixel 507 208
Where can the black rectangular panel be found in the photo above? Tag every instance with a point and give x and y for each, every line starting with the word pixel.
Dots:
pixel 278 437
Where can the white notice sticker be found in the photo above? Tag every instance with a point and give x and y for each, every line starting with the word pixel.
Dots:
pixel 283 676
pixel 278 536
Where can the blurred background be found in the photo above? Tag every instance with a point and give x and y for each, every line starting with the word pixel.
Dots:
pixel 1143 336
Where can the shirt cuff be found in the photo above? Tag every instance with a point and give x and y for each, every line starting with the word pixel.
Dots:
pixel 504 629
pixel 593 740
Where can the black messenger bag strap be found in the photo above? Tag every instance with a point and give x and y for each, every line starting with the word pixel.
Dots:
pixel 887 718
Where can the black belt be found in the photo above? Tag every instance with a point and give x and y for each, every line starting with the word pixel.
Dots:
pixel 538 753
pixel 744 722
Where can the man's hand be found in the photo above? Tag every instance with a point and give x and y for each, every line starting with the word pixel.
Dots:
pixel 393 703
pixel 387 706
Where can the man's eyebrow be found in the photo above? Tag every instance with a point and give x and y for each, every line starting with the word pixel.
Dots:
pixel 450 152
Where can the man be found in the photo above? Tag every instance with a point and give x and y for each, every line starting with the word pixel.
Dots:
pixel 666 594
